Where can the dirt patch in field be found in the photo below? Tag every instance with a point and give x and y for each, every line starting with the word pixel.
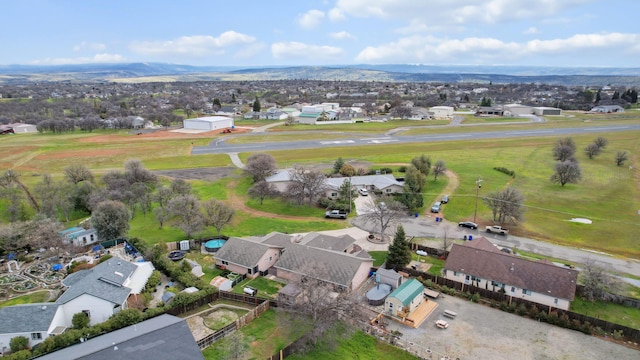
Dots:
pixel 157 134
pixel 208 174
pixel 82 153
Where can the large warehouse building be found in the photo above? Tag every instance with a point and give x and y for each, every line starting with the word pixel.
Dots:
pixel 208 123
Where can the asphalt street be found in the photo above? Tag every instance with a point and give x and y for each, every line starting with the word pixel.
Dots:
pixel 426 226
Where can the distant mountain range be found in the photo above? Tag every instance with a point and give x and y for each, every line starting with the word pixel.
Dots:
pixel 146 72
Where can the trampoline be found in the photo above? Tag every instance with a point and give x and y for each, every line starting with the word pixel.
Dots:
pixel 378 293
pixel 214 245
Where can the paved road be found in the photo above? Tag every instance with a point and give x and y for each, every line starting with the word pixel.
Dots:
pixel 425 226
pixel 219 147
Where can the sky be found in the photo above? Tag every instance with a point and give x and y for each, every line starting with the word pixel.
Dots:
pixel 564 33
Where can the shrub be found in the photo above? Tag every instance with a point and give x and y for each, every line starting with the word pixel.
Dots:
pixel 533 312
pixel 564 321
pixel 587 328
pixel 599 331
pixel 521 310
pixel 80 320
pixel 105 258
pixel 504 170
pixel 553 318
pixel 503 306
pixel 617 334
pixel 18 343
pixel 511 308
pixel 475 297
pixel 402 169
pixel 20 355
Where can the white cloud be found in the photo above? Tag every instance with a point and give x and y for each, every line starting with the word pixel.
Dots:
pixel 336 14
pixel 454 13
pixel 91 46
pixel 475 50
pixel 532 30
pixel 342 35
pixel 198 45
pixel 96 59
pixel 298 50
pixel 311 19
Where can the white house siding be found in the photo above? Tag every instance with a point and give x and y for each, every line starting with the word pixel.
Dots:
pixel 99 310
pixel 516 293
pixel 392 306
pixel 5 339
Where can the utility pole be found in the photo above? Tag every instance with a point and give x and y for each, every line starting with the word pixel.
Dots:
pixel 478 186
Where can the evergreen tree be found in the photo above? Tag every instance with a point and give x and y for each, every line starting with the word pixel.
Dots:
pixel 485 102
pixel 616 96
pixel 338 165
pixel 598 97
pixel 256 105
pixel 399 252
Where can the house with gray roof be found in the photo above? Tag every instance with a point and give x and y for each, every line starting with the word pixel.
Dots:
pixel 385 183
pixel 164 337
pixel 104 289
pixel 487 267
pixel 336 260
pixel 247 257
pixel 35 322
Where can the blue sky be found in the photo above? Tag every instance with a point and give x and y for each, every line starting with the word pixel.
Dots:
pixel 317 32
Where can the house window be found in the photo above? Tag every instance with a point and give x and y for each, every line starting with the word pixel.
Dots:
pixel 495 283
pixel 36 336
pixel 388 190
pixel 555 301
pixel 225 262
pixel 513 289
pixel 455 273
pixel 526 292
pixel 270 258
pixel 249 272
pixel 466 277
pixel 334 194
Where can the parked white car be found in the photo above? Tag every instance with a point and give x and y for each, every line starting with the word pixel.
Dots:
pixel 363 192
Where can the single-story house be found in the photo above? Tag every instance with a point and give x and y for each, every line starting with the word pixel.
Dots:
pixel 335 260
pixel 103 290
pixel 164 337
pixel 208 123
pixel 405 299
pixel 481 264
pixel 247 257
pixel 607 109
pixel 36 322
pixel 441 112
pixel 385 183
pixel 79 236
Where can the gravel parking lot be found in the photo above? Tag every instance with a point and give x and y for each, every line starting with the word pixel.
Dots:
pixel 480 332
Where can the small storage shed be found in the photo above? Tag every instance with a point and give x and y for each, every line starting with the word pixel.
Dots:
pixel 208 123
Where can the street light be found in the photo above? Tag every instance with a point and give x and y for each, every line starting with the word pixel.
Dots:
pixel 478 186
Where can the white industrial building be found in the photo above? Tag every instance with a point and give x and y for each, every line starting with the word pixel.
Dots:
pixel 440 112
pixel 208 123
pixel 517 109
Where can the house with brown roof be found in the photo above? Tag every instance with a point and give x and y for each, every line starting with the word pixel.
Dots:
pixel 481 264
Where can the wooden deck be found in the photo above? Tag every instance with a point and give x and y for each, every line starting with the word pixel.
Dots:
pixel 416 318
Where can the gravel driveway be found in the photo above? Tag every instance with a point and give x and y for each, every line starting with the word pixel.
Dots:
pixel 480 332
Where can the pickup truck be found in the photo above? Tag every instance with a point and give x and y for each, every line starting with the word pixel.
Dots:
pixel 496 229
pixel 336 214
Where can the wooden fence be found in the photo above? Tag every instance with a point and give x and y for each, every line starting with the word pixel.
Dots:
pixel 241 322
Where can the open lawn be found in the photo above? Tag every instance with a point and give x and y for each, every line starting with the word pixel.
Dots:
pixel 266 288
pixel 618 314
pixel 35 297
pixel 607 194
pixel 471 119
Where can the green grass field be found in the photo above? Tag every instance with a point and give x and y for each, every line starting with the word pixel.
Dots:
pixel 608 195
pixel 35 297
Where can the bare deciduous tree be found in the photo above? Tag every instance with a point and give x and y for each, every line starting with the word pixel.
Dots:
pixel 262 190
pixel 78 173
pixel 185 209
pixel 217 214
pixel 260 166
pixel 621 157
pixel 385 215
pixel 11 178
pixel 438 169
pixel 566 172
pixel 564 149
pixel 305 185
pixel 598 284
pixel 592 150
pixel 601 142
pixel 506 205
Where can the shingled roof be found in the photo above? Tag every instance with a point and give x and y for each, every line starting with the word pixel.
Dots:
pixel 27 318
pixel 105 281
pixel 326 265
pixel 539 277
pixel 242 252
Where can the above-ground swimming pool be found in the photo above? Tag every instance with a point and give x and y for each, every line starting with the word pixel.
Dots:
pixel 378 293
pixel 214 245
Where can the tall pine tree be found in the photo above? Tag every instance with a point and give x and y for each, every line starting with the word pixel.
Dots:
pixel 399 252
